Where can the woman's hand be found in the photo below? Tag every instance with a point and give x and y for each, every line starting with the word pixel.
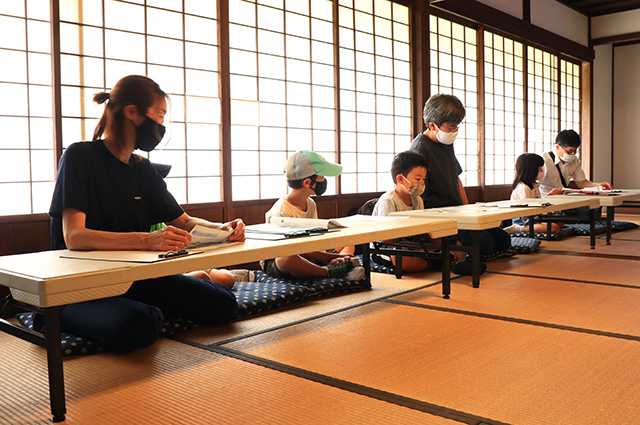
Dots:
pixel 238 230
pixel 169 238
pixel 555 192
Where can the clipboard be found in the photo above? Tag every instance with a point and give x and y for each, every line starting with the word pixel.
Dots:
pixel 273 233
pixel 123 256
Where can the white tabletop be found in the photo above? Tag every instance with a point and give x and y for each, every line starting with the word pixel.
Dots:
pixel 487 215
pixel 614 200
pixel 45 279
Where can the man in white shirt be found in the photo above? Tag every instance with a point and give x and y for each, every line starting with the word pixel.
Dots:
pixel 563 166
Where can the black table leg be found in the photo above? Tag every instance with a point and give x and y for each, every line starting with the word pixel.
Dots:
pixel 532 232
pixel 446 269
pixel 475 259
pixel 610 216
pixel 53 345
pixel 366 260
pixel 592 227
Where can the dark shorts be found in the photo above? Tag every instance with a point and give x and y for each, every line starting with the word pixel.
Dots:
pixel 270 268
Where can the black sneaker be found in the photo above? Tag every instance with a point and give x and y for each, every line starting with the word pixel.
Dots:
pixel 465 268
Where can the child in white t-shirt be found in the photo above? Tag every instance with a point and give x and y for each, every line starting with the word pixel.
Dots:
pixel 530 171
pixel 409 172
pixel 305 172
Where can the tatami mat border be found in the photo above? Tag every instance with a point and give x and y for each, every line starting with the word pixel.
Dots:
pixel 386 396
pixel 564 279
pixel 589 254
pixel 517 320
pixel 318 316
pixel 622 239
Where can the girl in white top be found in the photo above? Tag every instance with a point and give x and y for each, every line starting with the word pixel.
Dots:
pixel 529 171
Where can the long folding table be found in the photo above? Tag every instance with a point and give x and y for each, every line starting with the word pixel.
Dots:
pixel 47 281
pixel 611 200
pixel 488 215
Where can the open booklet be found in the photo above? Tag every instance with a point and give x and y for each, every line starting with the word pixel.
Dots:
pixel 206 236
pixel 201 237
pixel 289 227
pixel 590 191
pixel 305 223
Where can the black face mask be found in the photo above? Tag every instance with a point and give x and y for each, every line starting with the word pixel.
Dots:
pixel 321 187
pixel 149 134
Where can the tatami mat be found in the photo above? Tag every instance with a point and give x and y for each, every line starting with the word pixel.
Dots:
pixel 522 349
pixel 172 383
pixel 509 372
pixel 383 285
pixel 584 268
pixel 580 244
pixel 549 301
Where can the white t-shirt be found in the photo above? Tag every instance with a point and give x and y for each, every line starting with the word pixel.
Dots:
pixel 283 208
pixel 390 202
pixel 570 171
pixel 523 191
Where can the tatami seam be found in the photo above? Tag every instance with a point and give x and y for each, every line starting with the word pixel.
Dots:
pixel 386 396
pixel 565 279
pixel 518 320
pixel 326 314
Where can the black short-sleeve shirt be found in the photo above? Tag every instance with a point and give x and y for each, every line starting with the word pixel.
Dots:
pixel 443 169
pixel 115 196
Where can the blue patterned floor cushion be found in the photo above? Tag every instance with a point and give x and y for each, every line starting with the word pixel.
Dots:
pixel 601 227
pixel 524 245
pixel 519 245
pixel 378 268
pixel 74 345
pixel 619 226
pixel 564 232
pixel 252 297
pixel 266 293
pixel 584 229
pixel 317 286
pixel 498 254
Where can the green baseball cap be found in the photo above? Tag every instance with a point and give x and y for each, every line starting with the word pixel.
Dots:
pixel 305 164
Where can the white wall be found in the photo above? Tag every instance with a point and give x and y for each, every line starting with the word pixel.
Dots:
pixel 561 20
pixel 550 15
pixel 513 8
pixel 626 122
pixel 602 107
pixel 615 24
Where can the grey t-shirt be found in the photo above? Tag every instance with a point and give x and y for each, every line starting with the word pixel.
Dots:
pixel 390 202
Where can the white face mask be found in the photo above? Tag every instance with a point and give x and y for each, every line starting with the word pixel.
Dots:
pixel 446 138
pixel 566 157
pixel 416 189
pixel 540 176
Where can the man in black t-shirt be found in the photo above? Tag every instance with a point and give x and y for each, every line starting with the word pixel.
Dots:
pixel 442 115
